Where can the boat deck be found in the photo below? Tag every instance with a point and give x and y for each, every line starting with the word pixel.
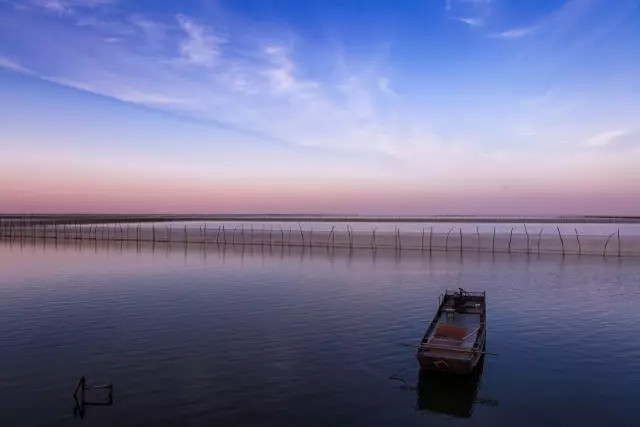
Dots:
pixel 467 323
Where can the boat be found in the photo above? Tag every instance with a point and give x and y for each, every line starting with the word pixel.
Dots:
pixel 455 339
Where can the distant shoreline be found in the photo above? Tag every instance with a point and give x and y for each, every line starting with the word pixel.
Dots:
pixel 137 218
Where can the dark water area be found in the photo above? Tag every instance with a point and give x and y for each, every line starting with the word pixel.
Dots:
pixel 290 336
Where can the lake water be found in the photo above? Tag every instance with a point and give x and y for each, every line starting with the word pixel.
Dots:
pixel 297 337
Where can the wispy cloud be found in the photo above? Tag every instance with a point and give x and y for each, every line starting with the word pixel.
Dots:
pixel 516 33
pixel 10 65
pixel 65 6
pixel 383 85
pixel 199 47
pixel 250 81
pixel 472 22
pixel 605 139
pixel 473 13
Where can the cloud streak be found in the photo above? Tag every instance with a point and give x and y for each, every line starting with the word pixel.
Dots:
pixel 605 139
pixel 516 33
pixel 199 47
pixel 472 22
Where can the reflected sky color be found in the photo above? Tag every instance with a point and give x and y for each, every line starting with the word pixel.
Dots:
pixel 458 106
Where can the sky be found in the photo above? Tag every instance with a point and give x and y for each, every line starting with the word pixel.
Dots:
pixel 500 107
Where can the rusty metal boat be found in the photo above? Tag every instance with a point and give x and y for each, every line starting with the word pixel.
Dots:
pixel 455 339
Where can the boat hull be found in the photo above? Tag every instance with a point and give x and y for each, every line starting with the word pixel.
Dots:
pixel 456 366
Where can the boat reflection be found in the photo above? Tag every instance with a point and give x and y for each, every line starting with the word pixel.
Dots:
pixel 454 395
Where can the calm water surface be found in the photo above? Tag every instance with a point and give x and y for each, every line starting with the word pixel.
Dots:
pixel 285 337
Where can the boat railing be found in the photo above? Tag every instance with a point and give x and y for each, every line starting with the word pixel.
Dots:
pixel 448 293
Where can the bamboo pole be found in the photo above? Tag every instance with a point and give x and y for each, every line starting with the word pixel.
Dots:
pixel 330 234
pixel 395 237
pixel 233 236
pixel 510 237
pixel 301 233
pixel 493 241
pixel 578 239
pixel 446 240
pixel 539 238
pixel 478 235
pixel 527 233
pixel 430 237
pixel 333 238
pixel 460 239
pixel 399 240
pixel 561 240
pixel 311 236
pixel 619 249
pixel 604 250
pixel 373 238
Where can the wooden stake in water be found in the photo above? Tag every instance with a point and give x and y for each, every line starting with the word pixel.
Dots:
pixel 527 233
pixel 395 237
pixel 619 250
pixel 578 239
pixel 330 235
pixel 301 233
pixel 430 237
pixel 460 239
pixel 561 240
pixel 446 240
pixel 373 238
pixel 510 236
pixel 604 250
pixel 493 241
pixel 540 238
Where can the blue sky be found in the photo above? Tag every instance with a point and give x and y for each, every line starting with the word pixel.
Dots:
pixel 458 106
